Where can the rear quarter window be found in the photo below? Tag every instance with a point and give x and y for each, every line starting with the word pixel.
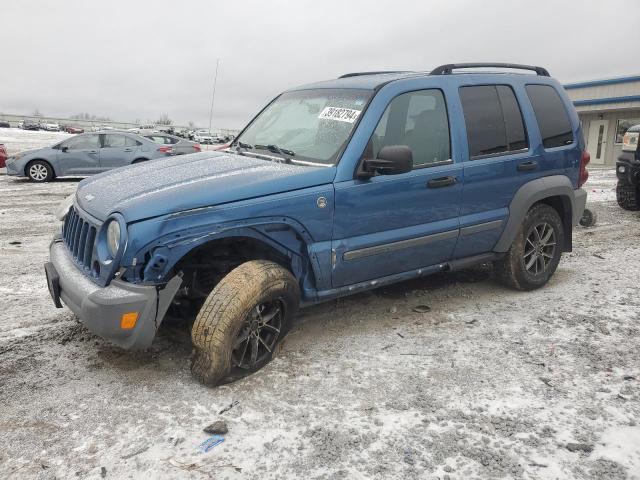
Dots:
pixel 551 116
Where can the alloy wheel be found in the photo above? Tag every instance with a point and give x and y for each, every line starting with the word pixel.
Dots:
pixel 259 334
pixel 540 247
pixel 38 172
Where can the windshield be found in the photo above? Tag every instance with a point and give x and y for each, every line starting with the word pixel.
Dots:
pixel 309 125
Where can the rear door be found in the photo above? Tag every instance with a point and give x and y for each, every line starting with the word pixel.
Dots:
pixel 390 224
pixel 502 157
pixel 117 150
pixel 80 155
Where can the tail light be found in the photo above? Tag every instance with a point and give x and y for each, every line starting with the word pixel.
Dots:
pixel 223 146
pixel 197 147
pixel 166 149
pixel 584 174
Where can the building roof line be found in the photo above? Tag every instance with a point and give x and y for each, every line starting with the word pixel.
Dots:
pixel 604 81
pixel 600 101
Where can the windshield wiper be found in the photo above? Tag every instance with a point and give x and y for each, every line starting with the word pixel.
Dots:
pixel 276 149
pixel 244 146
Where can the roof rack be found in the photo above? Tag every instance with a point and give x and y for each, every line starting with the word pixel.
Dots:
pixel 359 74
pixel 448 69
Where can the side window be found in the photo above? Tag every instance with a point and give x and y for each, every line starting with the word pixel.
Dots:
pixel 551 115
pixel 130 142
pixel 493 120
pixel 418 120
pixel 82 142
pixel 114 141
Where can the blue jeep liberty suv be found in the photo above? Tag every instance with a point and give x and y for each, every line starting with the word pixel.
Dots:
pixel 333 188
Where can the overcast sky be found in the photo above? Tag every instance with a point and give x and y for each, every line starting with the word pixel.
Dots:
pixel 137 59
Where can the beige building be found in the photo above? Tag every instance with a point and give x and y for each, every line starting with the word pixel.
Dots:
pixel 606 109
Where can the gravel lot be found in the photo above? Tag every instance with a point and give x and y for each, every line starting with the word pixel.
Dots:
pixel 488 383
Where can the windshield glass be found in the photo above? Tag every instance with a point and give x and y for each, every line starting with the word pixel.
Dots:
pixel 310 125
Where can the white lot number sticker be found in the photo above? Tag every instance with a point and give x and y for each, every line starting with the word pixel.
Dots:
pixel 340 114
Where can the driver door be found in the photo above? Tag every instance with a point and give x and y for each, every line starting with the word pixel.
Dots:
pixel 80 155
pixel 390 224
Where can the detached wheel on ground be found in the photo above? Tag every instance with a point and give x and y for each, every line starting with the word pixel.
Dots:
pixel 242 321
pixel 628 196
pixel 39 171
pixel 535 253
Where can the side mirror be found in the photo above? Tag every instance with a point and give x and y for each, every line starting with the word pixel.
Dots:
pixel 392 160
pixel 64 149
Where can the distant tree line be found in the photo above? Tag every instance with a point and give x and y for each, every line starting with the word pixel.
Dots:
pixel 88 116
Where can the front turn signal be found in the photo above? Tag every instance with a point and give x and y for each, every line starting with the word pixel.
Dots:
pixel 128 320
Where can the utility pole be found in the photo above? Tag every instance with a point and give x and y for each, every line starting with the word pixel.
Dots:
pixel 213 95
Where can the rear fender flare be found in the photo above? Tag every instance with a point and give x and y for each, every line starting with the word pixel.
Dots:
pixel 532 192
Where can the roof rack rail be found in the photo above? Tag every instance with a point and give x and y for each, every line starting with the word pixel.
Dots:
pixel 448 69
pixel 359 74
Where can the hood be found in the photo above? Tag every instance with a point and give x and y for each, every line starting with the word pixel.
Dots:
pixel 184 182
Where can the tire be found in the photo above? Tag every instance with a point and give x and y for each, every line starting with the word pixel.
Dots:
pixel 529 264
pixel 139 160
pixel 224 332
pixel 627 196
pixel 39 171
pixel 589 218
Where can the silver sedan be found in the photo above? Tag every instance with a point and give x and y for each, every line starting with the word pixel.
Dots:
pixel 85 154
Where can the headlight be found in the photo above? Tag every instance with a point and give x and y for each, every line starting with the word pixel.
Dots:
pixel 113 237
pixel 64 207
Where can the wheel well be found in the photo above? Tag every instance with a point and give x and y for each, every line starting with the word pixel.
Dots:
pixel 26 167
pixel 562 205
pixel 204 266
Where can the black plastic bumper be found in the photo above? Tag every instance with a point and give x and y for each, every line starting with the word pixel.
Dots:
pixel 628 169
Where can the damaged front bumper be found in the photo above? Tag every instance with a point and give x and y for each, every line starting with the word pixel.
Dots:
pixel 109 311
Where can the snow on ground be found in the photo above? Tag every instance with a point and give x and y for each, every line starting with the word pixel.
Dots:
pixel 490 383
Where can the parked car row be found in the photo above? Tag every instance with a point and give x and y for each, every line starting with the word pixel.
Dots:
pixel 3 155
pixel 91 153
pixel 46 126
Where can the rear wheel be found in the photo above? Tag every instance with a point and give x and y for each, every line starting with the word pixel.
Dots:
pixel 242 321
pixel 140 160
pixel 39 171
pixel 627 196
pixel 535 253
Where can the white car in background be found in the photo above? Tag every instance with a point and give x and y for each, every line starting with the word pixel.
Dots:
pixel 203 136
pixel 51 127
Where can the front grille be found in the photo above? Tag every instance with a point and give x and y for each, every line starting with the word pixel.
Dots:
pixel 79 236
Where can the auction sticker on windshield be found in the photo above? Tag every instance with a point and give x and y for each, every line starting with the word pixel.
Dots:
pixel 340 114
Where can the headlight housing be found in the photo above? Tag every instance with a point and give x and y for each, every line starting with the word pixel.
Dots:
pixel 64 207
pixel 113 237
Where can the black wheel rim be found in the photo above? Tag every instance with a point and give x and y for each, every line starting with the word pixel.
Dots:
pixel 258 335
pixel 539 248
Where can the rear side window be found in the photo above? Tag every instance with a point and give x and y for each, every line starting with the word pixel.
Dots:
pixel 552 117
pixel 114 141
pixel 493 119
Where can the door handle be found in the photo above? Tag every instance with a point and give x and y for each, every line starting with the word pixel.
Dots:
pixel 92 151
pixel 127 149
pixel 441 182
pixel 527 166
